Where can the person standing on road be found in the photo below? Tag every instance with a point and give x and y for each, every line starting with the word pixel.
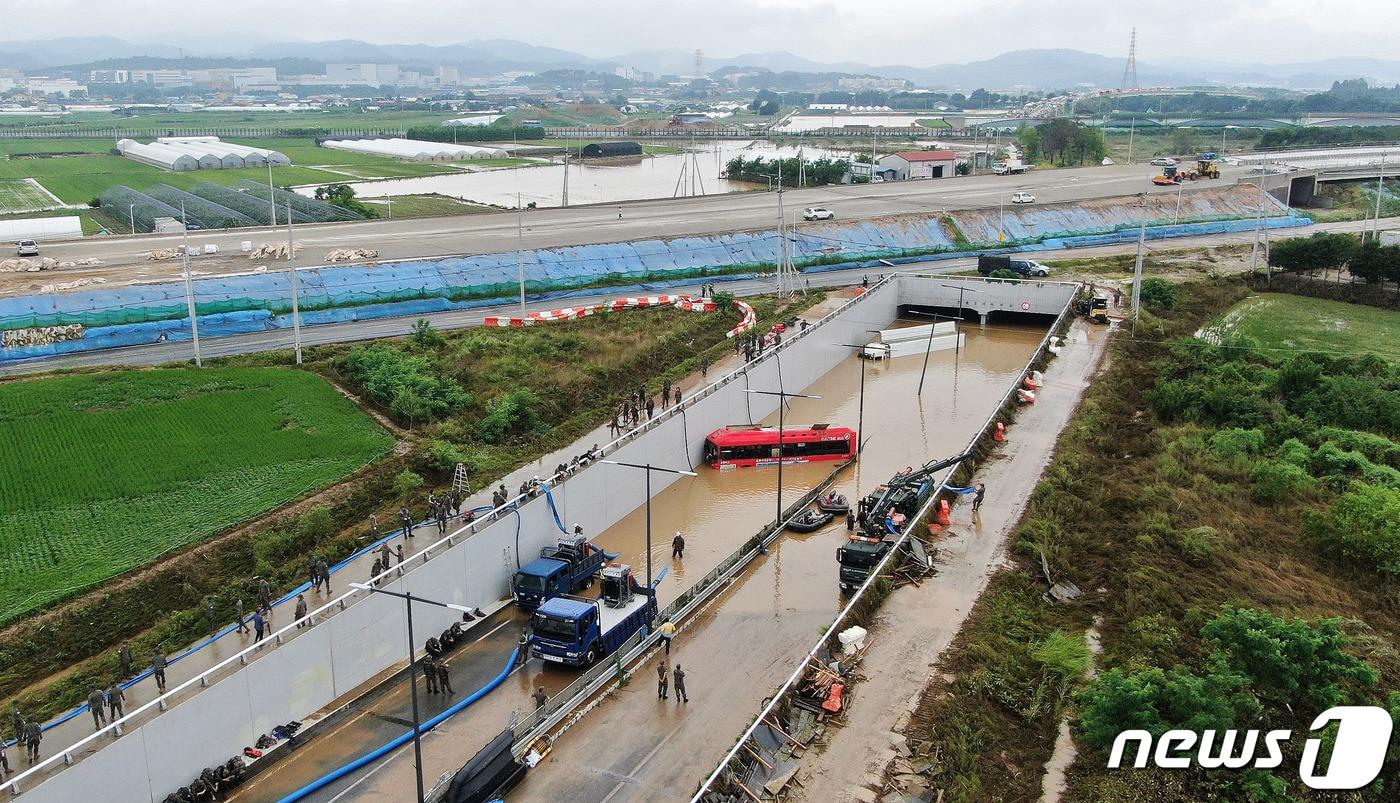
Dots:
pixel 651 407
pixel 5 760
pixel 312 573
pixel 33 735
pixel 265 596
pixel 384 554
pixel 116 698
pixel 158 667
pixel 540 698
pixel 259 626
pixel 301 611
pixel 406 521
pixel 668 632
pixel 124 659
pixel 522 647
pixel 679 676
pixel 678 546
pixel 444 673
pixel 95 702
pixel 661 680
pixel 17 722
pixel 430 673
pixel 325 571
pixel 676 397
pixel 211 616
pixel 242 619
pixel 704 366
pixel 398 553
pixel 977 500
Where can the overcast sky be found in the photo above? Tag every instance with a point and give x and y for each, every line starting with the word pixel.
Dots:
pixel 917 32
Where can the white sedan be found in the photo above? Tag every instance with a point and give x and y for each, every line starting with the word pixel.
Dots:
pixel 1022 198
pixel 1163 161
pixel 818 213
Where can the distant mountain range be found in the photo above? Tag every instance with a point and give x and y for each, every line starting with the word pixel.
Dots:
pixel 1030 69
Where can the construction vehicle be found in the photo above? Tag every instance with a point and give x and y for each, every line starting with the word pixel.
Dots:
pixel 886 512
pixel 1207 166
pixel 1171 174
pixel 1095 308
pixel 562 569
pixel 577 632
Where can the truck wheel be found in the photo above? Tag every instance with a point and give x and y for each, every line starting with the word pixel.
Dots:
pixel 590 656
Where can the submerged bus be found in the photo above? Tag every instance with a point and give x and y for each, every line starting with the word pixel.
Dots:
pixel 746 446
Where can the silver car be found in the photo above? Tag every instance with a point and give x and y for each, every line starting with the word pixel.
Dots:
pixel 28 248
pixel 818 213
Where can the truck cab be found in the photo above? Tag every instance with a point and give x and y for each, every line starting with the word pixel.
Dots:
pixel 578 632
pixel 565 568
pixel 857 559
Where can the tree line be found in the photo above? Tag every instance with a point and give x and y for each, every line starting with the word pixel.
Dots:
pixel 1063 141
pixel 812 173
pixel 1367 260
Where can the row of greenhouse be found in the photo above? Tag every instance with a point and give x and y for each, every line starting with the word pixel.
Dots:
pixel 199 153
pixel 211 206
pixel 416 150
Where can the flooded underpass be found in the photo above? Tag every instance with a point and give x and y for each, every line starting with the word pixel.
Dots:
pixel 735 650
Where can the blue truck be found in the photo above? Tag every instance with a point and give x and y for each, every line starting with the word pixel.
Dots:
pixel 563 569
pixel 577 632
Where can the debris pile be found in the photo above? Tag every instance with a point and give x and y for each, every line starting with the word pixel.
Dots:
pixel 159 254
pixel 351 254
pixel 40 335
pixel 908 777
pixel 50 288
pixel 272 251
pixel 27 265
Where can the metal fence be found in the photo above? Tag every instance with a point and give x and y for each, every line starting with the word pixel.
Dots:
pixel 835 627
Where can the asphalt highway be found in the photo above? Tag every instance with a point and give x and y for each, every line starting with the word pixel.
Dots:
pixel 545 228
pixel 180 351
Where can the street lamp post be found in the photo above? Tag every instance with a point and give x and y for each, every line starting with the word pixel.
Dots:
pixel 408 600
pixel 648 468
pixel 957 336
pixel 783 396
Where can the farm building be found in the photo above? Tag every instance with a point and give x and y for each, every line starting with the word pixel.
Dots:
pixel 416 150
pixel 597 149
pixel 917 164
pixel 199 153
pixel 157 156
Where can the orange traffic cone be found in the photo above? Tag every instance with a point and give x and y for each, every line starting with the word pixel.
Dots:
pixel 944 513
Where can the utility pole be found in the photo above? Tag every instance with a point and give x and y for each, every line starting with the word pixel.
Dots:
pixel 520 247
pixel 1380 190
pixel 292 272
pixel 390 199
pixel 271 196
pixel 189 286
pixel 1137 266
pixel 1132 127
pixel 131 210
pixel 564 198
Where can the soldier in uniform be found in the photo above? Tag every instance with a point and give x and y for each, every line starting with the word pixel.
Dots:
pixel 430 672
pixel 96 702
pixel 444 676
pixel 406 521
pixel 158 668
pixel 661 680
pixel 124 659
pixel 678 675
pixel 17 721
pixel 324 569
pixel 116 697
pixel 33 735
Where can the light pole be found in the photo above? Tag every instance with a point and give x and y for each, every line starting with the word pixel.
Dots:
pixel 271 196
pixel 408 600
pixel 292 272
pixel 131 211
pixel 648 468
pixel 189 285
pixel 520 248
pixel 860 410
pixel 783 396
pixel 957 336
pixel 1137 265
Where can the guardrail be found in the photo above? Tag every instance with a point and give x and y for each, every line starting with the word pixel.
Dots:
pixel 836 624
pixel 93 742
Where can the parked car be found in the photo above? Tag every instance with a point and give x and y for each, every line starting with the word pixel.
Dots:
pixel 818 213
pixel 988 263
pixel 1163 161
pixel 1022 198
pixel 28 248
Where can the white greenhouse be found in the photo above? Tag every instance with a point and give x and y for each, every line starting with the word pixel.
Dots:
pixel 416 150
pixel 199 153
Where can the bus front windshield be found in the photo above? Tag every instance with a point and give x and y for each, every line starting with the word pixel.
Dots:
pixel 555 629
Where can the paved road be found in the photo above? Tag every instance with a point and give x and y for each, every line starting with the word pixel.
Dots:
pixel 160 353
pixel 496 232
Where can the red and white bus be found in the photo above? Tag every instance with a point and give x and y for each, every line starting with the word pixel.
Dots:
pixel 745 446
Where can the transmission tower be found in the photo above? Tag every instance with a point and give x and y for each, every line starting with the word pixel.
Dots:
pixel 1130 69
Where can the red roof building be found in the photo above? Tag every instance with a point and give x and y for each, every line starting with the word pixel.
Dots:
pixel 918 164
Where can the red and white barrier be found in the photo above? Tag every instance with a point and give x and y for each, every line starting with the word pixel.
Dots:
pixel 616 305
pixel 750 319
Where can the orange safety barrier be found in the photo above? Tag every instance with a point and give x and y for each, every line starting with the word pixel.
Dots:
pixel 1000 435
pixel 944 513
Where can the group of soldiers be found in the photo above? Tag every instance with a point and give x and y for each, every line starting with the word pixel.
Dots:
pixel 438 674
pixel 580 461
pixel 677 682
pixel 639 405
pixel 28 734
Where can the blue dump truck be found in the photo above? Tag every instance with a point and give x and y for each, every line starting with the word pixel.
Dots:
pixel 577 631
pixel 563 569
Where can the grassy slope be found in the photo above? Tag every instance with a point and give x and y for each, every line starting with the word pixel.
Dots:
pixel 1112 513
pixel 109 471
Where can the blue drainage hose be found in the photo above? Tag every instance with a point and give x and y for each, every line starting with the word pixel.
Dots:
pixel 373 755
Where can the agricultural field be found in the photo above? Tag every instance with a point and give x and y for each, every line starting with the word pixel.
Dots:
pixel 429 205
pixel 159 124
pixel 18 195
pixel 1297 323
pixel 104 473
pixel 79 170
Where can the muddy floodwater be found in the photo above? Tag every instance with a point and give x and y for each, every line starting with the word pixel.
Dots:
pixel 746 640
pixel 695 172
